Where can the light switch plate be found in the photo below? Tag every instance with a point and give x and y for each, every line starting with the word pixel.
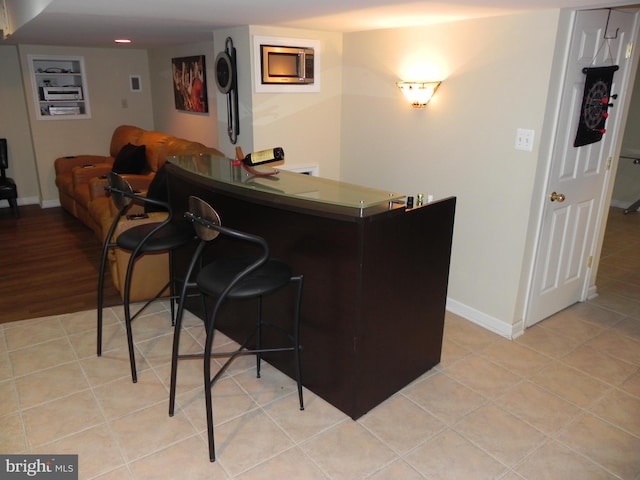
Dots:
pixel 524 139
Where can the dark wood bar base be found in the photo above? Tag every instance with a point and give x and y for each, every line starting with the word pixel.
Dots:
pixel 375 285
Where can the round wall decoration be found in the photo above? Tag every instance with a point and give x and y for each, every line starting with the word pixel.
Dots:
pixel 224 72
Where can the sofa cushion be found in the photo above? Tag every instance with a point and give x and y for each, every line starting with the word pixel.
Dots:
pixel 122 135
pixel 158 190
pixel 157 148
pixel 131 159
pixel 64 182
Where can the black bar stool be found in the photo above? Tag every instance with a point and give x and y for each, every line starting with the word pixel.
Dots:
pixel 146 238
pixel 228 279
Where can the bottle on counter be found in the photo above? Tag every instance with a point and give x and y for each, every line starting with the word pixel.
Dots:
pixel 264 156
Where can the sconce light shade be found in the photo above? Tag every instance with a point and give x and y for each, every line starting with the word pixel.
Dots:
pixel 418 93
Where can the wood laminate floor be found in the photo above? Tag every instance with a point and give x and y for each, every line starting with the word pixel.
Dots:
pixel 48 264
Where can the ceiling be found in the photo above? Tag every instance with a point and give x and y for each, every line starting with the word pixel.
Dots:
pixel 158 23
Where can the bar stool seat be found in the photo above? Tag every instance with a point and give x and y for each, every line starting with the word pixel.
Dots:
pixel 167 238
pixel 215 277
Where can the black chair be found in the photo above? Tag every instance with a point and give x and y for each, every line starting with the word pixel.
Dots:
pixel 146 238
pixel 8 188
pixel 228 279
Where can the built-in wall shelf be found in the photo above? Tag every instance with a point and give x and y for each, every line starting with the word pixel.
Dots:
pixel 59 87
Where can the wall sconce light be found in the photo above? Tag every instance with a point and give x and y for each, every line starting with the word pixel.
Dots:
pixel 418 93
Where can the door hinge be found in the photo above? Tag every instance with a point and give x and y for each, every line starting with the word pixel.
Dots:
pixel 609 162
pixel 629 50
pixel 590 262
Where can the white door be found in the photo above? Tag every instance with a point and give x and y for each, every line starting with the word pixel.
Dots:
pixel 578 175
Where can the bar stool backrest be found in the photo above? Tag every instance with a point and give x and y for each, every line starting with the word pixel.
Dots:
pixel 121 190
pixel 203 210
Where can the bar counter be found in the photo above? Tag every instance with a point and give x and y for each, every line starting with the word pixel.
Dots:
pixel 375 272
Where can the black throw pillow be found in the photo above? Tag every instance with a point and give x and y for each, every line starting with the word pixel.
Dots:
pixel 131 159
pixel 158 190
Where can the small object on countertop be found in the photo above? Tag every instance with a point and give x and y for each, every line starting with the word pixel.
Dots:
pixel 264 156
pixel 409 202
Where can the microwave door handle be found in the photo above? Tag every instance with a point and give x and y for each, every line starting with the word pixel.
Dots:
pixel 303 66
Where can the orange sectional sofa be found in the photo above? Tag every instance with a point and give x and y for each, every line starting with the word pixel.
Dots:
pixel 81 180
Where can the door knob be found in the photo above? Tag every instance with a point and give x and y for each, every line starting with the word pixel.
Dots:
pixel 556 197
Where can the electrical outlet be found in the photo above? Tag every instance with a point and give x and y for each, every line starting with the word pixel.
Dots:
pixel 524 139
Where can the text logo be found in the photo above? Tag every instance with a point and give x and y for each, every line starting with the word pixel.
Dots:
pixel 50 467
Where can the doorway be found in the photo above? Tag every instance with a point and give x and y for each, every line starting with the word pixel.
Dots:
pixel 626 189
pixel 619 260
pixel 577 189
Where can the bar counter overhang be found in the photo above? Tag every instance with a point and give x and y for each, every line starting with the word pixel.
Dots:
pixel 375 272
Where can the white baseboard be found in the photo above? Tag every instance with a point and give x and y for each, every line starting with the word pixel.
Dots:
pixel 34 201
pixel 495 325
pixel 23 201
pixel 620 204
pixel 51 203
pixel 28 201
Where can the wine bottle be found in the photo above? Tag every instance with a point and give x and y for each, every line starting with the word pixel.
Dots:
pixel 264 156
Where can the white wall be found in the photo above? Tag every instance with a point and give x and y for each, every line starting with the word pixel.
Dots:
pixel 35 144
pixel 306 125
pixel 14 125
pixel 241 41
pixel 359 129
pixel 495 74
pixel 107 73
pixel 199 127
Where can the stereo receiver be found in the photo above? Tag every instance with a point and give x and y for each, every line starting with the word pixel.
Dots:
pixel 61 93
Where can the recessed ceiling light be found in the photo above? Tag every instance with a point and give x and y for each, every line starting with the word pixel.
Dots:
pixel 122 40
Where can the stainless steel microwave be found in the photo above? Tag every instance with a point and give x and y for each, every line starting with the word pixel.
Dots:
pixel 288 65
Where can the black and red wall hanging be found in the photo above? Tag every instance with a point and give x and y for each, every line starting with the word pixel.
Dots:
pixel 596 102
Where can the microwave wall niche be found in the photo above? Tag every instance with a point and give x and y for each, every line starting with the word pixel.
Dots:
pixel 283 65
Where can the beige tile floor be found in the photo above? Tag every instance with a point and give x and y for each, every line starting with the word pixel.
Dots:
pixel 560 402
